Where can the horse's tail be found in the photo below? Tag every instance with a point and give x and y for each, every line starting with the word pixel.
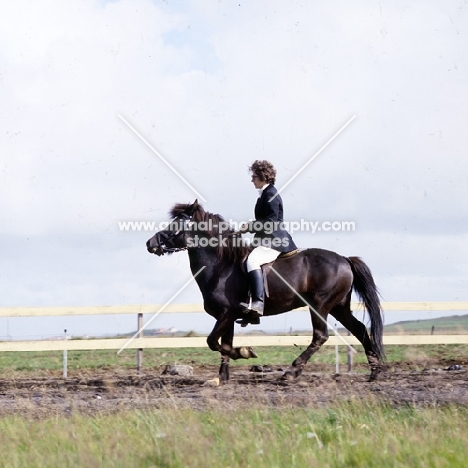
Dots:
pixel 368 293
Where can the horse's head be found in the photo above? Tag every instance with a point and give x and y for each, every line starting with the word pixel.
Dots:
pixel 174 237
pixel 191 227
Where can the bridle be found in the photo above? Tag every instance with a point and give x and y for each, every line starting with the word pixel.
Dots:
pixel 166 240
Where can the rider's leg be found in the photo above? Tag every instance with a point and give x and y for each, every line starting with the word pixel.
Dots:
pixel 257 291
pixel 258 257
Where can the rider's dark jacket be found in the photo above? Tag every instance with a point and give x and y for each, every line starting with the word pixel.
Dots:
pixel 268 225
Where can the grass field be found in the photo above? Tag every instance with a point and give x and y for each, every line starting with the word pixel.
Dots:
pixel 42 363
pixel 355 433
pixel 344 435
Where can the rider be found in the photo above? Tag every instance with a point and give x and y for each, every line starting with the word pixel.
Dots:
pixel 270 239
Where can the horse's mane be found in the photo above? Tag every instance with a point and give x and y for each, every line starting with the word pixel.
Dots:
pixel 233 250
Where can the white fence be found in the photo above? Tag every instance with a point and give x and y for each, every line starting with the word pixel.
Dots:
pixel 197 342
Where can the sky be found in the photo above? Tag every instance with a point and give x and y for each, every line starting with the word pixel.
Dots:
pixel 212 86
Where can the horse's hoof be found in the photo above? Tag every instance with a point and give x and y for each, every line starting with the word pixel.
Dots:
pixel 288 377
pixel 375 371
pixel 247 352
pixel 212 383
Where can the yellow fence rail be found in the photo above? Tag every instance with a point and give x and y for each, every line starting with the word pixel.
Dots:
pixel 197 308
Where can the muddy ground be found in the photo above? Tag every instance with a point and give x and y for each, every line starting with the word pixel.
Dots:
pixel 105 391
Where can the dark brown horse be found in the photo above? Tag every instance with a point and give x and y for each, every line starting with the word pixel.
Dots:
pixel 321 279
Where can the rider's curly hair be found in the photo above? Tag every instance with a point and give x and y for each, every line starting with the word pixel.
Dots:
pixel 264 170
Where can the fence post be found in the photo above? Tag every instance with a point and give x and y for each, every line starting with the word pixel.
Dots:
pixel 140 350
pixel 337 355
pixel 65 358
pixel 350 357
pixel 337 359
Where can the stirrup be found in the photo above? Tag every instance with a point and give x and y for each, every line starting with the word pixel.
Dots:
pixel 246 307
pixel 249 310
pixel 257 307
pixel 250 318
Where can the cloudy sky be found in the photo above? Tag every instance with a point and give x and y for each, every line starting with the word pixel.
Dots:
pixel 213 86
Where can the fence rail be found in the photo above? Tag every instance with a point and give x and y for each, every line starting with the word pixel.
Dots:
pixel 200 342
pixel 197 308
pixel 197 342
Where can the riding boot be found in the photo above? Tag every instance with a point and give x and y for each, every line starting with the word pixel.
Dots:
pixel 257 291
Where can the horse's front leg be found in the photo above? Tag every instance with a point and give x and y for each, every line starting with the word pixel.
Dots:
pixel 226 343
pixel 224 331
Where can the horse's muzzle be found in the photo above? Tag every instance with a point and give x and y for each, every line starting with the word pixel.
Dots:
pixel 154 249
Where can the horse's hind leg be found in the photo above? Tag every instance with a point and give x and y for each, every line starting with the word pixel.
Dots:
pixel 319 337
pixel 345 316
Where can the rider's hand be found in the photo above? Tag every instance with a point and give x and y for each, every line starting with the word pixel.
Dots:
pixel 243 228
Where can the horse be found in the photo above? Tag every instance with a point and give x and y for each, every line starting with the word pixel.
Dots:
pixel 321 279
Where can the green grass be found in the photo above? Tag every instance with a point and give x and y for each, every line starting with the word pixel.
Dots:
pixel 45 363
pixel 453 324
pixel 346 434
pixel 352 434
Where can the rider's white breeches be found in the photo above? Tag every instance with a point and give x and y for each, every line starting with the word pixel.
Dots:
pixel 259 256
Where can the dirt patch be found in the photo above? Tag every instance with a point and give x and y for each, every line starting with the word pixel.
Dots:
pixel 110 391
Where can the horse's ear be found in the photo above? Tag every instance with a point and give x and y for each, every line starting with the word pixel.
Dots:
pixel 193 207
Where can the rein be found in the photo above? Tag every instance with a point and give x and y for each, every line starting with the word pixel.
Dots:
pixel 168 239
